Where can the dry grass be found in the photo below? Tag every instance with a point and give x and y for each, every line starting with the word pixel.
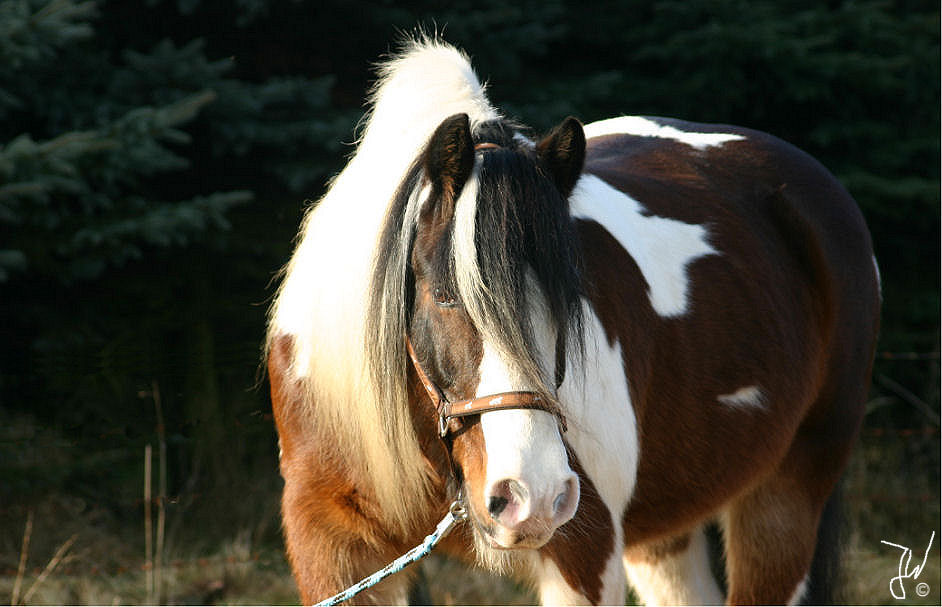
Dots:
pixel 452 583
pixel 239 573
pixel 235 574
pixel 870 570
pixel 892 494
pixel 251 580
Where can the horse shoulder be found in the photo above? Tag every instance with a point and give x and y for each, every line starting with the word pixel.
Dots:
pixel 323 504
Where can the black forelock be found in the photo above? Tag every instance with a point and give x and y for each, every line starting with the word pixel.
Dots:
pixel 523 223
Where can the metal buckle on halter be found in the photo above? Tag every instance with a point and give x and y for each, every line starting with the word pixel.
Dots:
pixel 442 426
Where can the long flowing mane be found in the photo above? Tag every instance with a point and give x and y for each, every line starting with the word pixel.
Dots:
pixel 324 299
pixel 446 202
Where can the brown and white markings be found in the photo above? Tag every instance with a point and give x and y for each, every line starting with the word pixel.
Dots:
pixel 699 304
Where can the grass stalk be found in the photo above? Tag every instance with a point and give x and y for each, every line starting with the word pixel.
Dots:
pixel 161 491
pixel 148 528
pixel 50 567
pixel 24 552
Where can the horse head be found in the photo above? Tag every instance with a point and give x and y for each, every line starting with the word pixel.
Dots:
pixel 495 299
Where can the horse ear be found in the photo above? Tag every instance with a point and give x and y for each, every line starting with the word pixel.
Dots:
pixel 563 153
pixel 449 157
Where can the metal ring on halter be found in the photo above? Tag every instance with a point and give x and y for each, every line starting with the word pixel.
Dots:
pixel 457 508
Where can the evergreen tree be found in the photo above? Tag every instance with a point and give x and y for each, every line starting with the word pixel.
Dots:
pixel 141 184
pixel 156 157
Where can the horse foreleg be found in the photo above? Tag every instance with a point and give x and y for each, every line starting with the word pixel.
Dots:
pixel 327 555
pixel 330 528
pixel 771 532
pixel 674 571
pixel 583 565
pixel 556 589
pixel 331 544
pixel 770 541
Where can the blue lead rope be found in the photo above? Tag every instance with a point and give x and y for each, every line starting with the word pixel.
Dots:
pixel 456 514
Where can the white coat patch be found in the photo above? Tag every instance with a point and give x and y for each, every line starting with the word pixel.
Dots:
pixel 800 591
pixel 644 127
pixel 662 247
pixel 603 430
pixel 747 397
pixel 683 578
pixel 876 270
pixel 603 434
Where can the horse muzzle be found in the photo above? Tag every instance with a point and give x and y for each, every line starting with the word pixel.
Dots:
pixel 519 516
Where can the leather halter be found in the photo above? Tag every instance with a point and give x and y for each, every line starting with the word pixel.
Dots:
pixel 448 410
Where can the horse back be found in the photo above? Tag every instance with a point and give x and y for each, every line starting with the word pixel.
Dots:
pixel 758 338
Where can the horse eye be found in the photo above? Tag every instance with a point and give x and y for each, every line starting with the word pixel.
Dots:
pixel 444 298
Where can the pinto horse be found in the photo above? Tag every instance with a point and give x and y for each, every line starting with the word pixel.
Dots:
pixel 679 320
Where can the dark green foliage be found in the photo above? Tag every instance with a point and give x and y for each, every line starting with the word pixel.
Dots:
pixel 139 185
pixel 155 158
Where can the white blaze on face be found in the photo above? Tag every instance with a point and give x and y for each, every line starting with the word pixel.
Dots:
pixel 526 457
pixel 521 443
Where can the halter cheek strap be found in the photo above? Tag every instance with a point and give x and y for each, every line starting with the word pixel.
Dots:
pixel 448 410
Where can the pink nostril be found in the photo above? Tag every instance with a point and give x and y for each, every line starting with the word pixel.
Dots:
pixel 560 501
pixel 506 499
pixel 566 502
pixel 496 505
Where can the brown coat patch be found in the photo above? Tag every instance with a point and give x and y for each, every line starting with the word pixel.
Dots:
pixel 582 547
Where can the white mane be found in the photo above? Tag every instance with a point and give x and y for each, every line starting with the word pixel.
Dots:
pixel 323 300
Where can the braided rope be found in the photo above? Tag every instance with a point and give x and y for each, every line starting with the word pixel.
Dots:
pixel 456 514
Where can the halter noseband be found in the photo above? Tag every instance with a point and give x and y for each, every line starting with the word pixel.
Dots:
pixel 448 410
